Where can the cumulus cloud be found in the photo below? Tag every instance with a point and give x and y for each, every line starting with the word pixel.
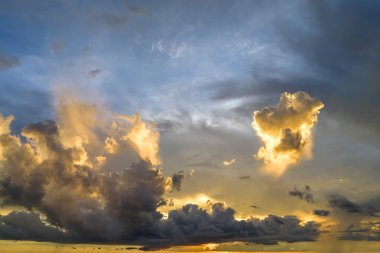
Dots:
pixel 194 225
pixel 54 172
pixel 75 189
pixel 305 194
pixel 285 130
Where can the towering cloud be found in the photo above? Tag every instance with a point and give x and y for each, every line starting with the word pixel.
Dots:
pixel 56 172
pixel 92 177
pixel 285 130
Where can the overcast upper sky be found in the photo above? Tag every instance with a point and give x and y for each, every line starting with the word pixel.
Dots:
pixel 197 71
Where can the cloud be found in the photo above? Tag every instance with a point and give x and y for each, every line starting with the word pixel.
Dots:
pixel 28 226
pixel 193 225
pixel 346 89
pixel 245 177
pixel 321 212
pixel 305 194
pixel 368 231
pixel 144 137
pixel 54 172
pixel 7 62
pixel 229 162
pixel 285 130
pixel 177 180
pixel 340 202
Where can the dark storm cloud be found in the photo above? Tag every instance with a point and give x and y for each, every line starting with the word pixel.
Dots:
pixel 177 180
pixel 304 195
pixel 7 62
pixel 338 201
pixel 321 212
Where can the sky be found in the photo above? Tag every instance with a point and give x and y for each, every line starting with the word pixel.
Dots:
pixel 190 125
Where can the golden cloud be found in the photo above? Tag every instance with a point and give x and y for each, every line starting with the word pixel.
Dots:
pixel 285 130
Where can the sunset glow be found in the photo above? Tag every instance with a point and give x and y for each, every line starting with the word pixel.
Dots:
pixel 189 126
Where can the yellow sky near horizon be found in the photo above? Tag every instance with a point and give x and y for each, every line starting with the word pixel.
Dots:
pixel 8 246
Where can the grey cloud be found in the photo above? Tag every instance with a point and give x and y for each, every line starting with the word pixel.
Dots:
pixel 341 202
pixel 193 225
pixel 321 212
pixel 28 226
pixel 338 201
pixel 245 177
pixel 177 180
pixel 303 195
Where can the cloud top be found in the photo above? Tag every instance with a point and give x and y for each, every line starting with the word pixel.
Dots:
pixel 285 130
